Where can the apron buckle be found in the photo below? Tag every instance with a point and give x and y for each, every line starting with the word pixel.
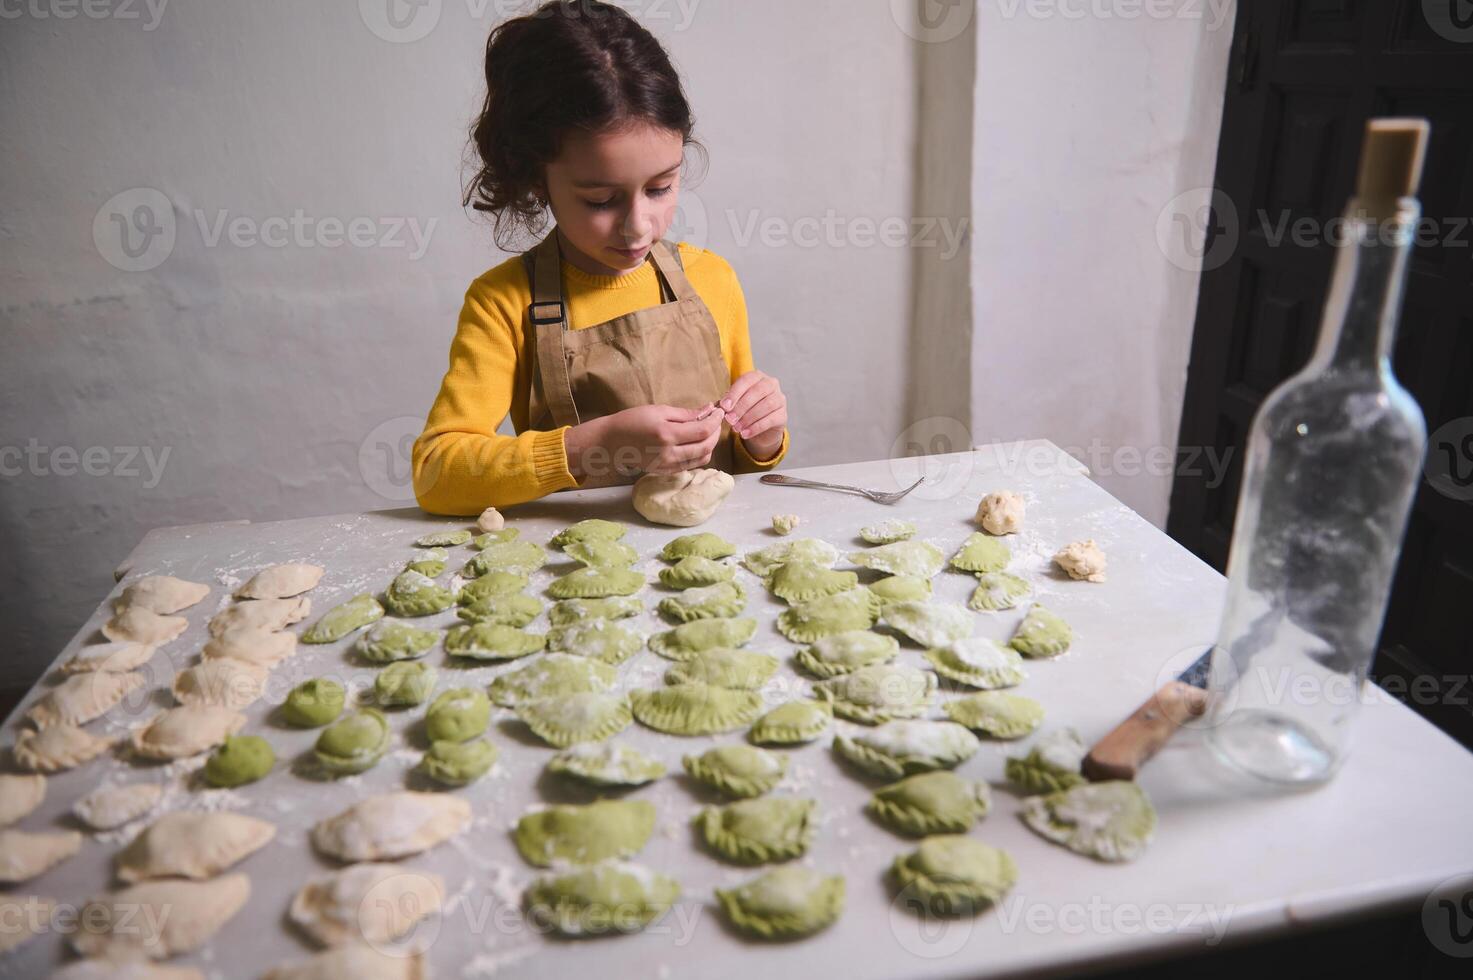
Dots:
pixel 555 317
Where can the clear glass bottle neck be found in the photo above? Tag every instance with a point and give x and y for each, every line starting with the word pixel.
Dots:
pixel 1359 325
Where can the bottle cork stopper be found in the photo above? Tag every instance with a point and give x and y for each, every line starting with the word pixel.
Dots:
pixel 1390 164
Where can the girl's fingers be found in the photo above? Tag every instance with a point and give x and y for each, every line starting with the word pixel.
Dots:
pixel 776 420
pixel 757 411
pixel 754 394
pixel 738 388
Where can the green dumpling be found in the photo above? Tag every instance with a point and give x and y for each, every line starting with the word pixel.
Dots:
pixel 981 553
pixel 353 743
pixel 600 639
pixel 688 639
pixel 314 703
pixel 694 571
pixel 443 539
pixel 695 709
pixel 879 693
pixel 737 770
pixel 515 610
pixel 606 764
pixel 703 544
pixel 491 641
pixel 929 624
pixel 921 559
pixel 841 653
pixel 571 611
pixel 996 713
pixel 720 601
pixel 1112 821
pixel 592 529
pixel 483 541
pixel 792 723
pixel 491 585
pixel 599 831
pixel 457 715
pixel 412 594
pixel 390 641
pixel 997 591
pixel 431 564
pixel 590 582
pixel 599 553
pixel 855 609
pixel 785 903
pixel 761 562
pixel 767 829
pixel 721 667
pixel 341 620
pixel 978 662
pixel 515 557
pixel 901 588
pixel 404 683
pixel 1041 634
pixel 799 581
pixel 239 760
pixel 952 874
pixel 458 763
pixel 613 897
pixel 551 675
pixel 902 748
pixel 888 531
pixel 1052 764
pixel 562 720
pixel 939 802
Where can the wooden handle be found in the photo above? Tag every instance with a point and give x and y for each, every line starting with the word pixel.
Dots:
pixel 1132 743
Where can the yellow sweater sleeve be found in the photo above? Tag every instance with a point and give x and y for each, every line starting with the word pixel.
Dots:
pixel 461 464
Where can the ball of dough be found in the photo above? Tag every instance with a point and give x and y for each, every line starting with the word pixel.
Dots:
pixel 784 523
pixel 1082 560
pixel 681 499
pixel 1001 512
pixel 490 520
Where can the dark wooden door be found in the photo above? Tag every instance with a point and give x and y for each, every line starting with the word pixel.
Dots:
pixel 1304 77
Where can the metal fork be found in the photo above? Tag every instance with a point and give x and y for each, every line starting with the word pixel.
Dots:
pixel 879 496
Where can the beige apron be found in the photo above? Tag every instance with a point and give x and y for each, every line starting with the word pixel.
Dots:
pixel 668 354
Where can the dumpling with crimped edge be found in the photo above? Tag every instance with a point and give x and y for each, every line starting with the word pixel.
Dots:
pixel 702 544
pixel 978 662
pixel 767 829
pixel 688 639
pixel 888 531
pixel 785 903
pixel 953 875
pixel 997 591
pixel 431 564
pixel 762 561
pixel 458 763
pixel 374 903
pixel 600 639
pixel 606 764
pixel 695 709
pixel 938 802
pixel 879 693
pixel 412 595
pixel 260 614
pixel 981 553
pixel 1112 821
pixel 928 624
pixel 228 683
pixel 792 723
pixel 19 795
pixel 1041 634
pixel 354 743
pixel 358 961
pixel 841 653
pixel 495 536
pixel 855 609
pixel 158 919
pixel 58 747
pixel 799 581
pixel 443 539
pixel 390 641
pixel 598 831
pixel 901 588
pixel 491 584
pixel 138 625
pixel 117 657
pixel 192 845
pixel 82 698
pixel 919 558
pixel 570 611
pixel 163 594
pixel 902 748
pixel 564 719
pixel 1052 764
pixel 24 917
pixel 516 610
pixel 694 571
pixel 491 641
pixel 25 854
pixel 737 770
pixel 744 670
pixel 457 715
pixel 188 730
pixel 720 601
pixel 592 529
pixel 591 582
pixel 996 713
pixel 613 897
pixel 552 675
pixel 391 826
pixel 339 621
pixel 600 553
pixel 516 557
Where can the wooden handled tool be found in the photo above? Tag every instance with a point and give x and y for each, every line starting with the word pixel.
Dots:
pixel 1133 742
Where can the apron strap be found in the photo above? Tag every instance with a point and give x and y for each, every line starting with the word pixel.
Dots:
pixel 549 319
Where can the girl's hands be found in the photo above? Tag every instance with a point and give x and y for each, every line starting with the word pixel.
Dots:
pixel 643 439
pixel 758 412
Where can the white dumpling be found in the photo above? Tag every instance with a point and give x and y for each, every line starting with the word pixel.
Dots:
pixel 226 683
pixel 192 845
pixel 261 614
pixel 23 917
pixel 185 731
pixel 19 795
pixel 82 698
pixel 263 648
pixel 24 855
pixel 159 919
pixel 58 747
pixel 113 806
pixel 114 656
pixel 140 625
pixel 355 962
pixel 390 826
pixel 374 903
pixel 281 581
pixel 163 594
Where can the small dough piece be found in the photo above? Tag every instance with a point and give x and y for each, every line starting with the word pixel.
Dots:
pixel 744 670
pixel 592 529
pixel 1083 560
pixel 996 713
pixel 258 647
pixel 514 556
pixel 19 795
pixel 616 896
pixel 408 682
pixel 227 683
pixel 412 594
pixel 737 770
pixel 879 693
pixel 695 709
pixel 339 621
pixel 354 743
pixel 491 641
pixel 25 855
pixel 591 582
pixel 1052 764
pixel 684 498
pixel 980 553
pixel 842 653
pixel 493 583
pixel 562 720
pixel 391 640
pixel 807 622
pixel 720 601
pixel 689 639
pixel 582 610
pixel 553 674
pixel 352 961
pixel 373 903
pixel 515 610
pixel 929 624
pixel 281 581
pixel 600 640
pixel 1001 512
pixel 458 763
pixel 82 698
pixel 954 875
pixel 702 544
pixel 785 524
pixel 599 831
pixel 117 657
pixel 159 919
pixel 606 764
pixel 978 662
pixel 136 624
pixel 58 747
pixel 598 553
pixel 443 539
pixel 800 581
pixel 241 759
pixel 23 918
pixel 997 591
pixel 792 723
pixel 192 845
pixel 767 829
pixel 313 703
pixel 1041 634
pixel 694 570
pixel 762 561
pixel 163 594
pixel 902 588
pixel 902 748
pixel 1112 821
pixel 391 826
pixel 785 903
pixel 490 520
pixel 179 733
pixel 261 614
pixel 939 802
pixel 113 806
pixel 911 557
pixel 888 531
pixel 457 715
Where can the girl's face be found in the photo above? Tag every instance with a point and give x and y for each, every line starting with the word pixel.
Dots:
pixel 613 195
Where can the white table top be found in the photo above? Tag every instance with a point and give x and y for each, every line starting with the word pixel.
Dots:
pixel 1230 861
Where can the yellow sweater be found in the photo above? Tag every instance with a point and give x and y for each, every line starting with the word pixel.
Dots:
pixel 461 465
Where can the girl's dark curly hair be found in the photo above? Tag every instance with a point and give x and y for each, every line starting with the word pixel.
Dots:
pixel 570 64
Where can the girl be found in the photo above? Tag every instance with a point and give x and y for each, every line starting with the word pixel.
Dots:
pixel 616 352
